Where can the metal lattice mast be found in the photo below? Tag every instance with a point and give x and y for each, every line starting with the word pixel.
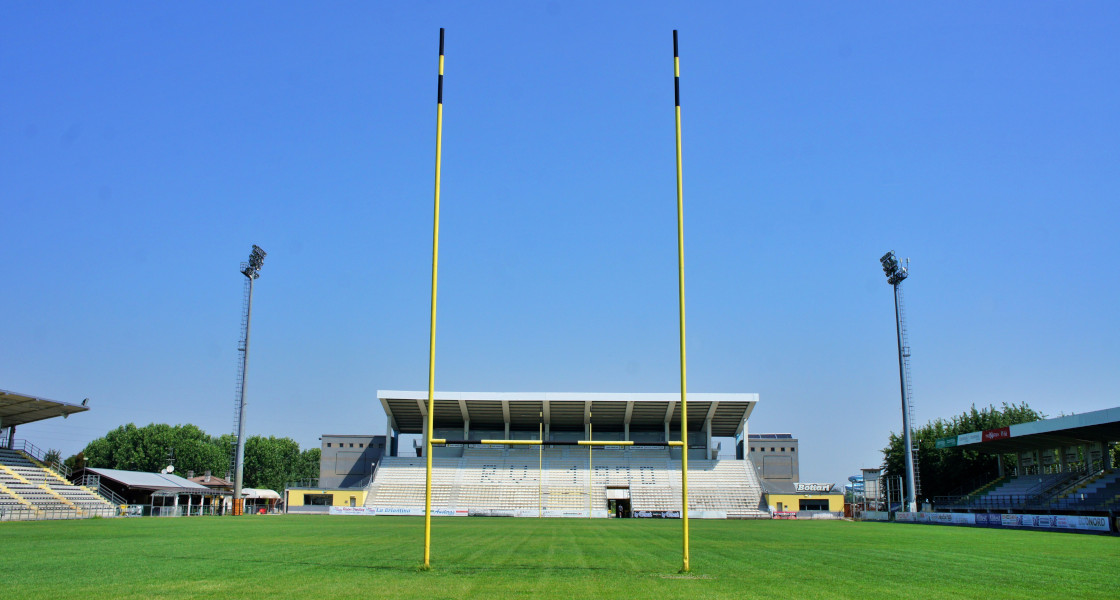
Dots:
pixel 240 387
pixel 896 274
pixel 909 383
pixel 251 271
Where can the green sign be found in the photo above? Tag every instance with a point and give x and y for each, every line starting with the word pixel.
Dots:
pixel 946 442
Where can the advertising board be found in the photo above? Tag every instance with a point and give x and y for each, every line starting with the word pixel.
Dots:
pixel 368 511
pixel 657 514
pixel 970 438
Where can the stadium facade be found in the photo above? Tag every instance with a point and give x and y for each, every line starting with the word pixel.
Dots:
pixel 557 479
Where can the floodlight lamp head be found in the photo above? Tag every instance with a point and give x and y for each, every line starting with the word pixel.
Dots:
pixel 890 265
pixel 252 270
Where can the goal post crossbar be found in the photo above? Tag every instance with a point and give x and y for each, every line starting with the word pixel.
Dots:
pixel 445 442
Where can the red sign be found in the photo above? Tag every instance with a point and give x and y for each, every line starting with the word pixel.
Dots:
pixel 996 434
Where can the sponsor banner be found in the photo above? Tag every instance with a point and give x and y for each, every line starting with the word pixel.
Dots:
pixel 876 515
pixel 1074 522
pixel 784 514
pixel 412 511
pixel 981 519
pixel 970 438
pixel 905 517
pixel 963 518
pixel 812 487
pixel 708 514
pixel 353 510
pixel 946 442
pixel 656 514
pixel 990 435
pixel 486 512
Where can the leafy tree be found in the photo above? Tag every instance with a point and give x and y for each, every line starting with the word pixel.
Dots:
pixel 52 456
pixel 952 471
pixel 270 462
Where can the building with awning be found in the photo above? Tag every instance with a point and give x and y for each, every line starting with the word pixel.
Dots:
pixel 158 494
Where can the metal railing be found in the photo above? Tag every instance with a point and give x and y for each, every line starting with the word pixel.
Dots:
pixel 38 454
pixel 93 482
pixel 51 514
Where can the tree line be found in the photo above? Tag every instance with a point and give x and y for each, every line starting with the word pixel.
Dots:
pixel 270 462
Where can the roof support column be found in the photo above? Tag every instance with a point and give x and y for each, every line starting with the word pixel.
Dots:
pixel 505 416
pixel 547 417
pixel 708 429
pixel 388 438
pixel 626 420
pixel 669 417
pixel 587 420
pixel 466 419
pixel 423 423
pixel 708 438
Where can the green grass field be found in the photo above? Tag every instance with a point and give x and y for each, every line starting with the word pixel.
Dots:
pixel 311 557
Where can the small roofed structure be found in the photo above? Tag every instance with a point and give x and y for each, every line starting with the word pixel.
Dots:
pixel 20 409
pixel 160 494
pixel 260 501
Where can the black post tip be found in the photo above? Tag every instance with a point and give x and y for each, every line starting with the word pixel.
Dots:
pixel 675 43
pixel 441 41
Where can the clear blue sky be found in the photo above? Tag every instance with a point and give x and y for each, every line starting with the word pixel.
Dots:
pixel 144 148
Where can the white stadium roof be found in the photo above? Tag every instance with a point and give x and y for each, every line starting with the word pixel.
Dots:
pixel 407 410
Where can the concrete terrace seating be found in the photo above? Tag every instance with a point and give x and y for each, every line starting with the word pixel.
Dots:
pixel 48 494
pixel 511 479
pixel 1100 493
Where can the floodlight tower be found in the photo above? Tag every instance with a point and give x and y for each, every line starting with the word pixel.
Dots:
pixel 896 274
pixel 252 271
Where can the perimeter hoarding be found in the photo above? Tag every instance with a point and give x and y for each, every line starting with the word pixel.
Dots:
pixel 1052 522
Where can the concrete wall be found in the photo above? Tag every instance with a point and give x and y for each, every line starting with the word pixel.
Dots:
pixel 775 459
pixel 347 460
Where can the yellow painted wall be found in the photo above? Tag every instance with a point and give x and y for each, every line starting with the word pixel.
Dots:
pixel 341 497
pixel 790 502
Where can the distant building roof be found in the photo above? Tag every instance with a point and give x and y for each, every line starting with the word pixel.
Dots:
pixel 149 481
pixel 19 409
pixel 212 481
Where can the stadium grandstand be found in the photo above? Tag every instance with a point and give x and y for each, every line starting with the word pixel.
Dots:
pixel 561 479
pixel 1063 466
pixel 34 486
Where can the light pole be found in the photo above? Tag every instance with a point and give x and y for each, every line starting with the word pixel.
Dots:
pixel 251 271
pixel 895 276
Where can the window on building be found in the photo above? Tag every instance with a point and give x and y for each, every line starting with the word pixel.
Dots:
pixel 793 449
pixel 752 448
pixel 328 444
pixel 771 448
pixel 351 444
pixel 783 449
pixel 361 445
